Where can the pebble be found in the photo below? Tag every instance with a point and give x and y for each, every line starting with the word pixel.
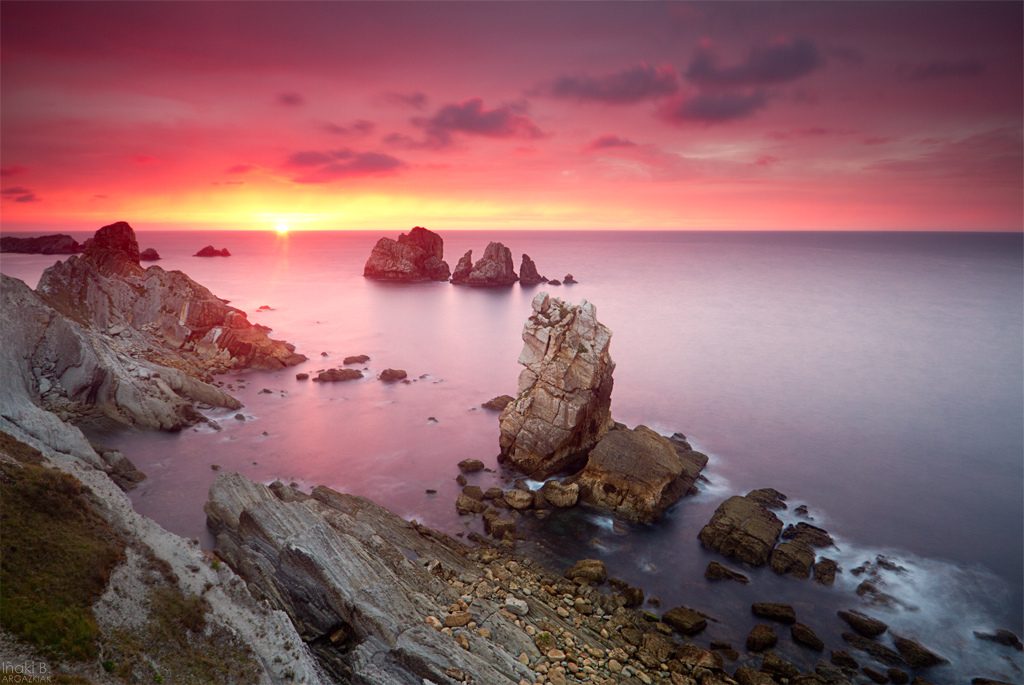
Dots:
pixel 563 612
pixel 433 622
pixel 614 666
pixel 556 655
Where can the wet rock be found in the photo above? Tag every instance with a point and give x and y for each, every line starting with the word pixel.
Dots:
pixel 516 606
pixel 461 479
pixel 802 511
pixel 356 359
pixel 825 571
pixel 761 637
pixel 519 499
pixel 528 272
pixel 685 620
pixel 874 675
pixel 716 571
pixel 783 613
pixel 841 658
pixel 560 495
pixel 897 677
pixel 569 279
pixel 149 255
pixel 778 667
pixel 748 676
pixel 563 403
pixel 301 376
pixel 338 375
pixel 806 533
pixel 391 375
pixel 471 465
pixel 416 256
pixel 878 652
pixel 637 474
pixel 46 244
pixel 210 251
pixel 498 527
pixel 804 635
pixel 793 558
pixel 862 623
pixel 1001 637
pixel 554 282
pixel 493 493
pixel 743 528
pixel 588 571
pixel 916 655
pixel 473 491
pixel 493 269
pixel 498 403
pixel 768 497
pixel 467 505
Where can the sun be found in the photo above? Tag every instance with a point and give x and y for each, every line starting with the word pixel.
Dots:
pixel 282 227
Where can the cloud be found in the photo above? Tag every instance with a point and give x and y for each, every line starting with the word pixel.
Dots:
pixel 239 169
pixel 472 118
pixel 27 198
pixel 19 194
pixel 631 85
pixel 610 141
pixel 780 62
pixel 323 167
pixel 991 158
pixel 100 197
pixel 228 183
pixel 291 99
pixel 765 160
pixel 13 170
pixel 15 191
pixel 941 70
pixel 360 127
pixel 416 100
pixel 714 108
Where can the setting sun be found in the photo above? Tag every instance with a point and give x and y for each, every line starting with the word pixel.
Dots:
pixel 282 228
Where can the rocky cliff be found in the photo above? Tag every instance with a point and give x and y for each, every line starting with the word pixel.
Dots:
pixel 563 405
pixel 106 290
pixel 416 256
pixel 493 269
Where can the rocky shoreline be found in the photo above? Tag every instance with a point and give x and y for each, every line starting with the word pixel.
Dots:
pixel 324 587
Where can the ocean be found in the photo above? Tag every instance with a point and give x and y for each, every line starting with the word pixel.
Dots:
pixel 877 378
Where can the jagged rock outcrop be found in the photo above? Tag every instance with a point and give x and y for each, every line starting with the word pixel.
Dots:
pixel 46 244
pixel 107 290
pixel 149 255
pixel 563 405
pixel 51 363
pixel 211 251
pixel 638 474
pixel 744 528
pixel 416 256
pixel 339 566
pixel 493 269
pixel 528 272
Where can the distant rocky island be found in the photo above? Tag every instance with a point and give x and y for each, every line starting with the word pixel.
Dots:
pixel 47 244
pixel 211 251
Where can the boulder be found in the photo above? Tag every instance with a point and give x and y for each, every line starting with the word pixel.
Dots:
pixel 862 623
pixel 528 273
pixel 465 504
pixel 761 637
pixel 770 498
pixel 916 655
pixel 808 534
pixel 841 658
pixel 778 667
pixel 493 269
pixel 356 359
pixel 391 375
pixel 685 620
pixel 825 571
pixel 150 255
pixel 804 635
pixel 210 251
pixel 563 406
pixel 747 676
pixel 793 558
pixel 568 280
pixel 1001 637
pixel 336 375
pixel 881 653
pixel 561 495
pixel 519 499
pixel 743 528
pixel 716 571
pixel 471 465
pixel 46 244
pixel 783 613
pixel 416 256
pixel 498 403
pixel 637 474
pixel 588 571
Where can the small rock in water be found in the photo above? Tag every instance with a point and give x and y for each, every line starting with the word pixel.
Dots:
pixel 684 619
pixel 239 417
pixel 471 465
pixel 301 376
pixel 569 279
pixel 805 636
pixel 498 403
pixel 323 354
pixel 716 571
pixel 356 359
pixel 215 467
pixel 761 637
pixel 461 479
pixel 783 613
pixel 431 419
pixel 1001 637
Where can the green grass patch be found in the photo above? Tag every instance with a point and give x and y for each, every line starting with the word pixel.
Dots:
pixel 57 555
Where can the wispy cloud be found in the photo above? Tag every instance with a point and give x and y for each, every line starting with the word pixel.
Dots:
pixel 780 62
pixel 326 166
pixel 291 99
pixel 634 84
pixel 471 117
pixel 610 141
pixel 714 107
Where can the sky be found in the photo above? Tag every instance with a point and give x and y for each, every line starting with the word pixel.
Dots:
pixel 534 115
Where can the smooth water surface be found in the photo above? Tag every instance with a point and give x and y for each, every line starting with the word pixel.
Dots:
pixel 876 378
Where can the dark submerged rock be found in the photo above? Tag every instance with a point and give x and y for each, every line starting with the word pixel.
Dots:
pixel 783 613
pixel 761 637
pixel 1001 637
pixel 885 655
pixel 862 623
pixel 804 635
pixel 916 655
pixel 716 571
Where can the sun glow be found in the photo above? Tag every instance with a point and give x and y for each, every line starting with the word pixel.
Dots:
pixel 282 227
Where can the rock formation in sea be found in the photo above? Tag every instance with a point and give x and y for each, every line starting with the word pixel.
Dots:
pixel 638 474
pixel 149 255
pixel 47 244
pixel 493 269
pixel 107 290
pixel 528 272
pixel 416 256
pixel 742 527
pixel 211 251
pixel 563 404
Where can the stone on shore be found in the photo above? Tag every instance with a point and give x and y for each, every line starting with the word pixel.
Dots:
pixel 588 571
pixel 528 272
pixel 45 244
pixel 337 375
pixel 808 534
pixel 210 251
pixel 716 571
pixel 804 635
pixel 825 571
pixel 492 270
pixel 761 637
pixel 561 495
pixel 794 558
pixel 498 403
pixel 916 655
pixel 637 474
pixel 471 465
pixel 783 613
pixel 685 620
pixel 862 623
pixel 416 256
pixel 519 499
pixel 742 528
pixel 563 405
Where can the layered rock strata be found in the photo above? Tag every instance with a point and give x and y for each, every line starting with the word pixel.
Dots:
pixel 494 269
pixel 563 404
pixel 416 256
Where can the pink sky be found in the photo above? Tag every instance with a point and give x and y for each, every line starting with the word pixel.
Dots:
pixel 339 115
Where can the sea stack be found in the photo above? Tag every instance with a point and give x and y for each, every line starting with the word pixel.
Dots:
pixel 493 269
pixel 563 405
pixel 416 256
pixel 528 274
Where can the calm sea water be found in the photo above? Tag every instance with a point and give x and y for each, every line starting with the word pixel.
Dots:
pixel 876 378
